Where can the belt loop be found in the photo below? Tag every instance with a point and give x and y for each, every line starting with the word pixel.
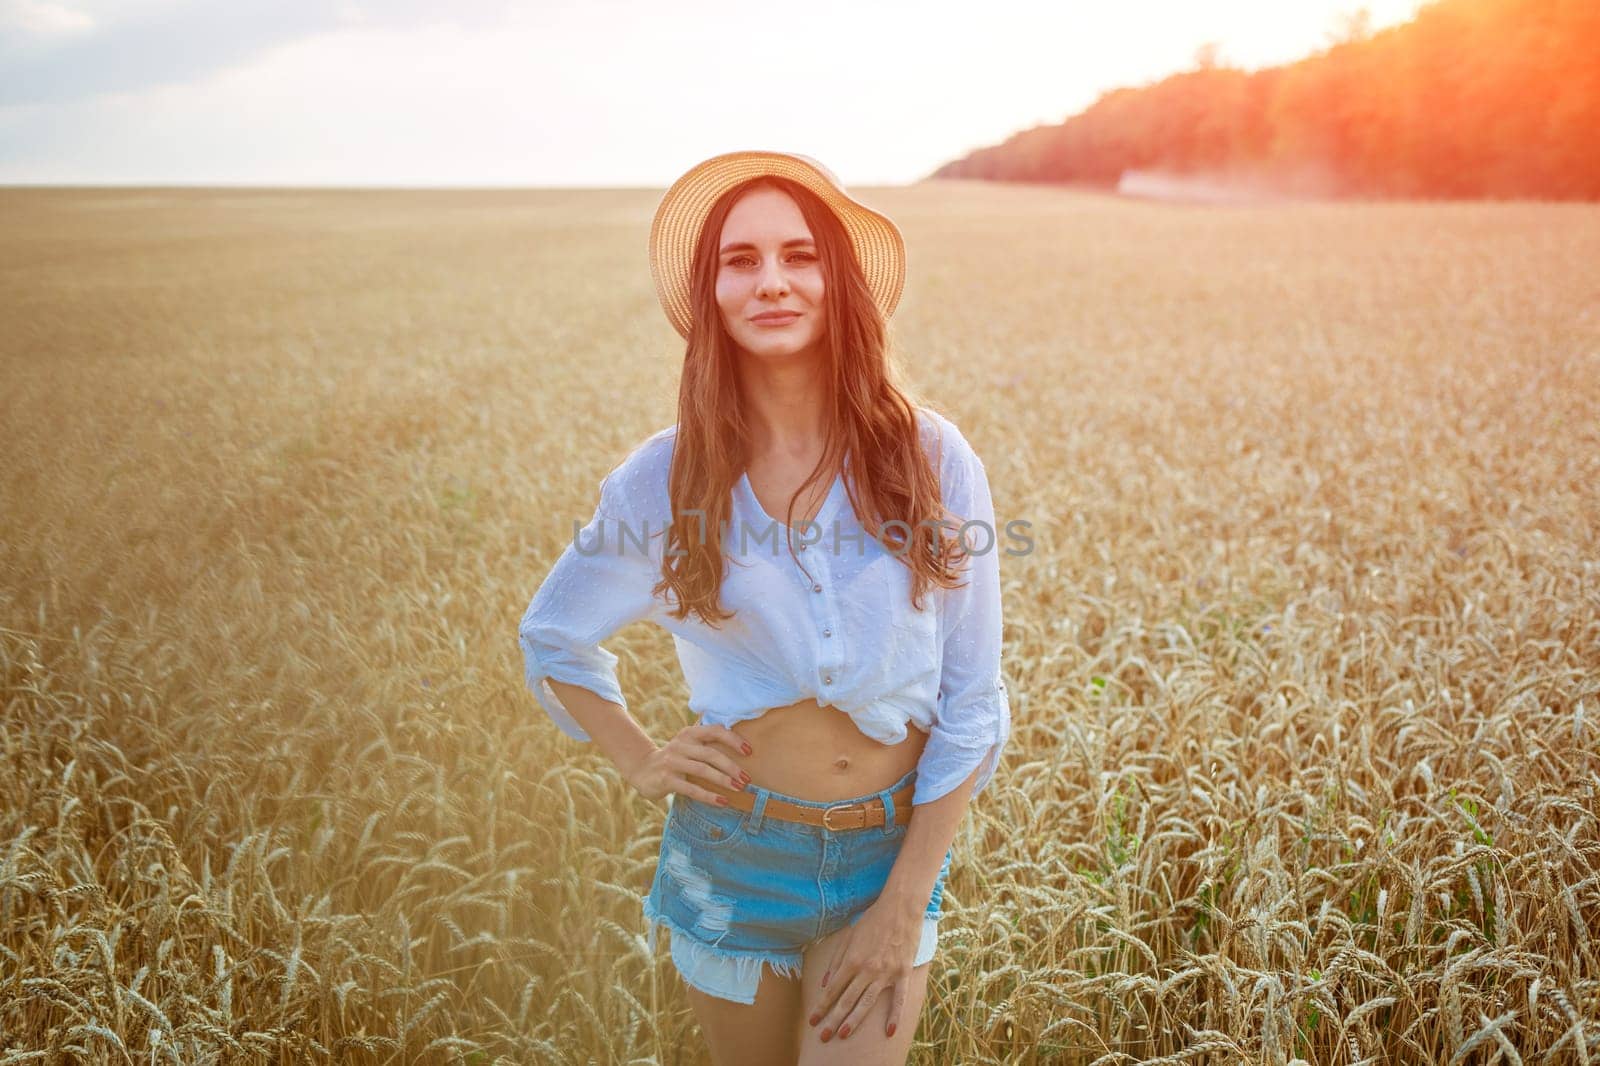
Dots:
pixel 887 797
pixel 758 812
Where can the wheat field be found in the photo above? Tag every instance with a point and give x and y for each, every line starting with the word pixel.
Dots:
pixel 1304 663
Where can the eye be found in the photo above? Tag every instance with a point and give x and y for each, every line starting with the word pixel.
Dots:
pixel 739 259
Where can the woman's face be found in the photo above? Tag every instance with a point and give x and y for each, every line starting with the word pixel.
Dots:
pixel 766 264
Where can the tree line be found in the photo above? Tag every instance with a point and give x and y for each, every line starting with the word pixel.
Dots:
pixel 1471 98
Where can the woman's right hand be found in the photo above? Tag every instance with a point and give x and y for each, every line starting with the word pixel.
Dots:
pixel 698 751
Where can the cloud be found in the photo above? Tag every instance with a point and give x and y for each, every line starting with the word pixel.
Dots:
pixel 51 52
pixel 44 18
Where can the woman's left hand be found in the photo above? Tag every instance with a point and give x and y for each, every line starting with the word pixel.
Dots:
pixel 873 958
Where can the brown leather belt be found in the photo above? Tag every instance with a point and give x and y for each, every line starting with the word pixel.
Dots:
pixel 864 815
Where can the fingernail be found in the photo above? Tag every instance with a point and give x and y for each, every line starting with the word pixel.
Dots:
pixel 745 778
pixel 844 1032
pixel 747 749
pixel 722 800
pixel 891 1028
pixel 815 1018
pixel 826 1034
pixel 736 782
pixel 825 975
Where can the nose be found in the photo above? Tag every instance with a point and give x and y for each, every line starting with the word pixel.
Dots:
pixel 773 281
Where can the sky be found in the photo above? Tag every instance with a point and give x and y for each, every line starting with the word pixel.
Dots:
pixel 476 93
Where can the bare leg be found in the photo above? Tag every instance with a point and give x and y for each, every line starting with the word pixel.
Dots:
pixel 757 1034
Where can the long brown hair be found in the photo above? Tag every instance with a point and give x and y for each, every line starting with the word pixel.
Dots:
pixel 872 420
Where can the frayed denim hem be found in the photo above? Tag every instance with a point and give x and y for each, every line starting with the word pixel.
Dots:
pixel 724 973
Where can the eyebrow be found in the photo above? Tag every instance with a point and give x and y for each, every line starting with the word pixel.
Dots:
pixel 741 246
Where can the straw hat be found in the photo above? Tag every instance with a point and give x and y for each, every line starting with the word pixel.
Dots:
pixel 682 212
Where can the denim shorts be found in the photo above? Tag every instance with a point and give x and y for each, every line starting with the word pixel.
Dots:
pixel 736 889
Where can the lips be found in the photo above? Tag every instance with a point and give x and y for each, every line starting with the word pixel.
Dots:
pixel 775 317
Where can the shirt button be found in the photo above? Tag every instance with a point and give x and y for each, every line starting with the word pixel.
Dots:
pixel 828 679
pixel 802 547
pixel 827 632
pixel 817 587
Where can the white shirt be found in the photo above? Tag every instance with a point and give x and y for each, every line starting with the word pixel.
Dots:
pixel 833 622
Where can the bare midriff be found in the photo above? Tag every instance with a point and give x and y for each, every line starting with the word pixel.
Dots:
pixel 818 753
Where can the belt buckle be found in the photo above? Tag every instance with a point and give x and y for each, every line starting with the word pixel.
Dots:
pixel 850 807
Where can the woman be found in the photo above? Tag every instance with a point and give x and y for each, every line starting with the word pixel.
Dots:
pixel 805 851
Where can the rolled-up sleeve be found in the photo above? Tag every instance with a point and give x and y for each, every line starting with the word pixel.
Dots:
pixel 972 721
pixel 600 583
